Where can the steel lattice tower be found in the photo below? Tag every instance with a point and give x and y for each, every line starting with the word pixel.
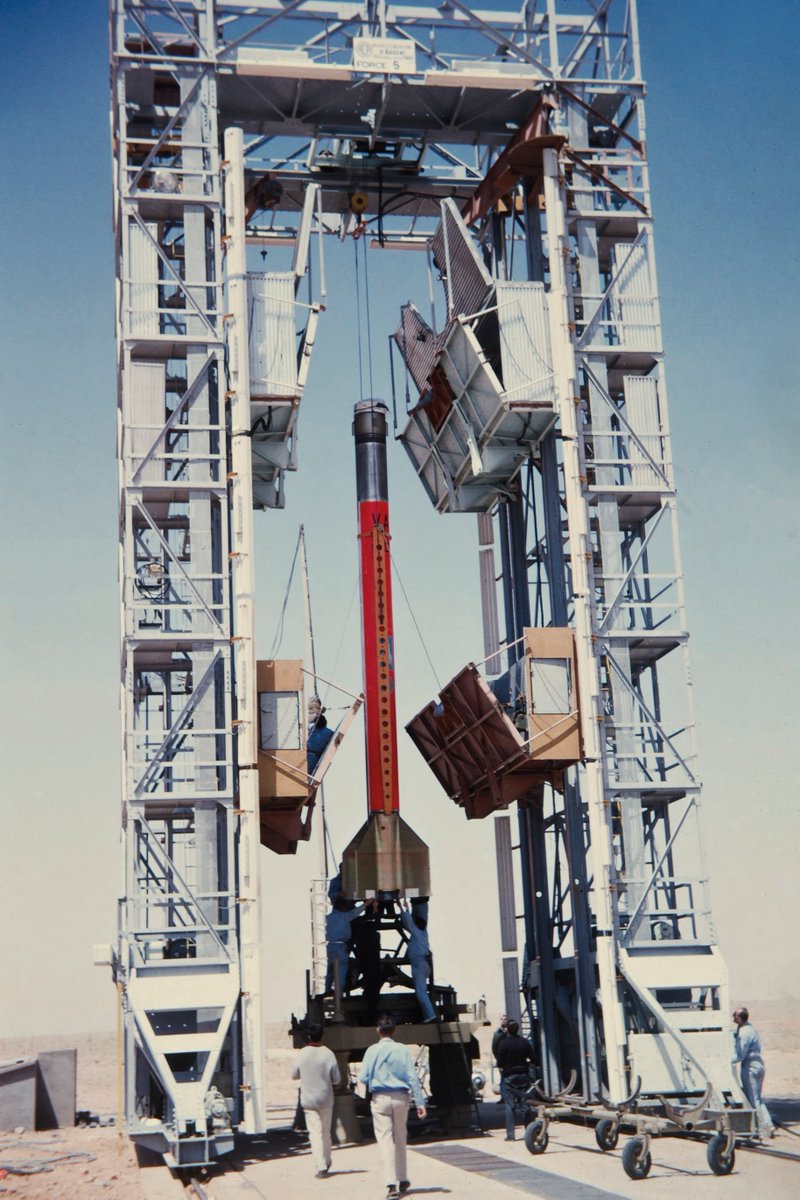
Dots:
pixel 523 131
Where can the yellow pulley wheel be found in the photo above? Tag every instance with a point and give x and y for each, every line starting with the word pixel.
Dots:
pixel 358 202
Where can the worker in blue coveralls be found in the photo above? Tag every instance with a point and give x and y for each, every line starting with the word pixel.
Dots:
pixel 390 1077
pixel 318 737
pixel 338 934
pixel 747 1045
pixel 419 958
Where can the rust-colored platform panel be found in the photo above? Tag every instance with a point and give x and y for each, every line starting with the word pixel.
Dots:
pixel 474 750
pixel 283 828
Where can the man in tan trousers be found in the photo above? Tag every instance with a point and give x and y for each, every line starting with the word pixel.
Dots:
pixel 388 1072
pixel 318 1072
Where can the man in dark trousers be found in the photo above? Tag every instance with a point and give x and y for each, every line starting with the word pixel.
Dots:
pixel 513 1055
pixel 367 944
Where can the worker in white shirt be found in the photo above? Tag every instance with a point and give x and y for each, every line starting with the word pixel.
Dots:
pixel 318 1072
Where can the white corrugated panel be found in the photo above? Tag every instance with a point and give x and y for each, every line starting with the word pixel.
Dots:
pixel 472 379
pixel 642 414
pixel 417 343
pixel 467 280
pixel 416 439
pixel 271 334
pixel 144 418
pixel 143 275
pixel 525 343
pixel 633 301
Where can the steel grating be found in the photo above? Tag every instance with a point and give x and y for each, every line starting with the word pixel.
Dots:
pixel 522 1178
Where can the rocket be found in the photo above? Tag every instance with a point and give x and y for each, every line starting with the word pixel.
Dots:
pixel 385 856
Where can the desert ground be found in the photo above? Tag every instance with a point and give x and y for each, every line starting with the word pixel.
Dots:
pixel 98 1161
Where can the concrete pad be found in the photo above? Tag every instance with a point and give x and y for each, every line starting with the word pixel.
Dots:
pixel 278 1164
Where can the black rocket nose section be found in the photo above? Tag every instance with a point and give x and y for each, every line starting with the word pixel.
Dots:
pixel 370 432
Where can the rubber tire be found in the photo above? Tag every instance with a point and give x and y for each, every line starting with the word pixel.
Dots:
pixel 606 1134
pixel 720 1163
pixel 536 1137
pixel 634 1164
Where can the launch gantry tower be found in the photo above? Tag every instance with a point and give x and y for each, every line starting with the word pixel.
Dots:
pixel 512 144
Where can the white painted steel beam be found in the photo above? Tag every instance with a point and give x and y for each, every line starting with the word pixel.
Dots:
pixel 601 855
pixel 244 658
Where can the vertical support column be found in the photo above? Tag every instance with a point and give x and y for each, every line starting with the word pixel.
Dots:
pixel 573 822
pixel 244 655
pixel 610 545
pixel 491 628
pixel 533 854
pixel 588 674
pixel 574 832
pixel 506 893
pixel 533 847
pixel 506 890
pixel 193 91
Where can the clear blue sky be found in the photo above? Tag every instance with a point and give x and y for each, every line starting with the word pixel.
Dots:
pixel 721 127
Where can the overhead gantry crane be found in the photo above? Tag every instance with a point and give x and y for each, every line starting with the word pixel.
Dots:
pixel 511 145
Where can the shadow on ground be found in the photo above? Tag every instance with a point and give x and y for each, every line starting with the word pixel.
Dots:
pixel 785 1110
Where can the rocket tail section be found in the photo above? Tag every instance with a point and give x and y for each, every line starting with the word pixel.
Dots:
pixel 386 856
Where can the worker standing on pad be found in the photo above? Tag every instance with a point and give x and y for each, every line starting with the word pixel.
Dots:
pixel 748 1054
pixel 388 1073
pixel 318 1072
pixel 513 1055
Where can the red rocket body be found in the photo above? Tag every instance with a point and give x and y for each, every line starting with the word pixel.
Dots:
pixel 386 855
pixel 377 632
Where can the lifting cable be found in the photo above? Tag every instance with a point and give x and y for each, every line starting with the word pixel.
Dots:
pixel 358 326
pixel 413 617
pixel 369 318
pixel 313 656
pixel 327 843
pixel 341 639
pixel 334 857
pixel 276 641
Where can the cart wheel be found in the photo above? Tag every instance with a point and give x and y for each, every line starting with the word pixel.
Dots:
pixel 720 1162
pixel 606 1133
pixel 536 1137
pixel 635 1163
